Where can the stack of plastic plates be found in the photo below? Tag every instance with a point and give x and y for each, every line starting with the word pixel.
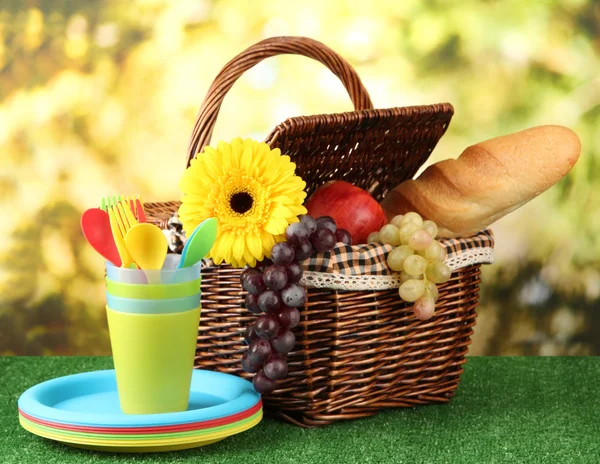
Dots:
pixel 83 410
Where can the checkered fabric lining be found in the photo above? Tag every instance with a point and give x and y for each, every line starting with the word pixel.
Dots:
pixel 371 259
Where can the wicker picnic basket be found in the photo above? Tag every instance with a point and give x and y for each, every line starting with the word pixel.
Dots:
pixel 357 352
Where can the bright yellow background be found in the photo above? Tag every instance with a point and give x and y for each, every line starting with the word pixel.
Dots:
pixel 100 97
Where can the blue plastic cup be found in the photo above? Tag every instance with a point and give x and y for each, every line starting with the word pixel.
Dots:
pixel 163 306
pixel 169 274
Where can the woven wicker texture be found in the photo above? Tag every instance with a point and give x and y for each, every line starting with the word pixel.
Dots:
pixel 356 352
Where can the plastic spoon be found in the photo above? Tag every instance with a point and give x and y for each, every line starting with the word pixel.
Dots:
pixel 148 246
pixel 95 225
pixel 199 243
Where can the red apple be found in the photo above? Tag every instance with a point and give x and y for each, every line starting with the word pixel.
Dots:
pixel 352 208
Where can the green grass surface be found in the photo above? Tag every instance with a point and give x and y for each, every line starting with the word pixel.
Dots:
pixel 507 410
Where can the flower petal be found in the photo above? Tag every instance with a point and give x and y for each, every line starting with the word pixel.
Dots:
pixel 297 209
pixel 267 242
pixel 246 158
pixel 273 227
pixel 222 244
pixel 249 259
pixel 254 245
pixel 238 248
pixel 281 211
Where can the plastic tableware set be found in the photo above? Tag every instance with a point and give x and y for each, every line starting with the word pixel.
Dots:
pixel 153 400
pixel 83 410
pixel 153 339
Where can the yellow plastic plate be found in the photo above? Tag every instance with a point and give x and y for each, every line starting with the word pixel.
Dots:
pixel 141 446
pixel 142 437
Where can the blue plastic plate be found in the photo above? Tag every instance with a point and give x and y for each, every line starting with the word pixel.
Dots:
pixel 91 399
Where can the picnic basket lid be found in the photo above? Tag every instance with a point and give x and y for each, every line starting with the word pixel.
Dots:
pixel 375 149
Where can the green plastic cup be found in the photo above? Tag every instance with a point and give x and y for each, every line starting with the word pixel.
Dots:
pixel 154 358
pixel 153 292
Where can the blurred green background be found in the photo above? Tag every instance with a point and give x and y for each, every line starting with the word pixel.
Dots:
pixel 99 97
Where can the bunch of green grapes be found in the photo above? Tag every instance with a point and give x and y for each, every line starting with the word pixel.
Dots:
pixel 418 257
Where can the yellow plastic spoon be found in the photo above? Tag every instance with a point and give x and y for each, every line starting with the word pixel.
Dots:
pixel 147 245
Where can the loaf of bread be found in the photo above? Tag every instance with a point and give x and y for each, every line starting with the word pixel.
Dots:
pixel 488 180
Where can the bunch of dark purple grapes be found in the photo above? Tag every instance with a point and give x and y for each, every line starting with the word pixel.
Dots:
pixel 275 294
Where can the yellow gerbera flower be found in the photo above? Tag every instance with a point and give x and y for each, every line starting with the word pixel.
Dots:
pixel 253 192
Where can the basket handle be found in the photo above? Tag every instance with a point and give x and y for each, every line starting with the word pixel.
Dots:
pixel 207 116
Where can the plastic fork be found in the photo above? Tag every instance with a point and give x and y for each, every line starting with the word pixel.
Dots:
pixel 118 228
pixel 107 202
pixel 145 243
pixel 136 205
pixel 125 217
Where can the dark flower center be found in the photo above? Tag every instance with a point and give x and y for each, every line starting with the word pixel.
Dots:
pixel 241 202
